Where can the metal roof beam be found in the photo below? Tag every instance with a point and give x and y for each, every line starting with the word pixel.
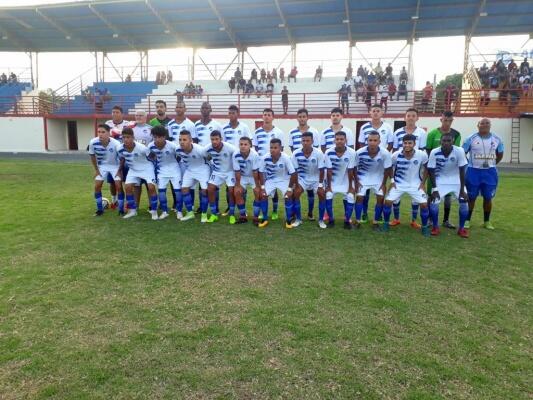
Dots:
pixel 285 24
pixel 117 31
pixel 415 20
pixel 227 28
pixel 475 20
pixel 15 38
pixel 348 23
pixel 168 27
pixel 68 34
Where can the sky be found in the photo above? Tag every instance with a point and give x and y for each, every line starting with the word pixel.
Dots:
pixel 433 58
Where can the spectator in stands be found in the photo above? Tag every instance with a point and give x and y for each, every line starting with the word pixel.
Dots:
pixel 237 74
pixel 294 72
pixel 361 71
pixel 349 71
pixel 344 98
pixel 370 93
pixel 3 79
pixel 512 66
pixel 169 76
pixel 128 78
pixel 163 77
pixel 526 86
pixel 402 90
pixel 524 67
pixel 514 93
pixel 274 75
pixel 249 88
pixel 427 95
pixel 378 71
pixel 485 96
pixel 232 84
pixel 13 78
pixel 388 71
pixel 448 97
pixel 269 76
pixel 199 90
pixel 158 78
pixel 403 75
pixel 282 74
pixel 88 94
pixel 263 75
pixel 259 89
pixel 270 88
pixel 253 75
pixel 318 74
pixel 241 85
pixel 384 95
pixel 359 88
pixel 371 78
pixel 392 89
pixel 179 96
pixel 285 99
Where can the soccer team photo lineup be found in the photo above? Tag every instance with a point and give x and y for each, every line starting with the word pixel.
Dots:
pixel 200 162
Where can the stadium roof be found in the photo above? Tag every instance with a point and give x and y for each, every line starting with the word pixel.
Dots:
pixel 135 25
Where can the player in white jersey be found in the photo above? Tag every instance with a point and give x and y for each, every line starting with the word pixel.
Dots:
pixel 385 133
pixel 138 158
pixel 409 177
pixel 309 164
pixel 234 130
pixel 411 117
pixel 446 167
pixel 205 125
pixel 261 141
pixel 373 166
pixel 197 171
pixel 327 139
pixel 141 130
pixel 277 172
pixel 220 154
pixel 103 151
pixel 246 164
pixel 167 169
pixel 340 162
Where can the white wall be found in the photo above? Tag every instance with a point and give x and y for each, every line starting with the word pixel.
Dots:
pixel 22 134
pixel 57 134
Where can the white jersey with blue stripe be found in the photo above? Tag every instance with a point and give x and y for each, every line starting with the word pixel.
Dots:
pixel 262 138
pixel 174 129
pixel 447 168
pixel 232 135
pixel 246 166
pixel 195 160
pixel 137 159
pixel 166 163
pixel 142 133
pixel 308 168
pixel 370 170
pixel 221 161
pixel 385 133
pixel 295 138
pixel 408 172
pixel 278 171
pixel 339 165
pixel 420 134
pixel 203 131
pixel 327 138
pixel 105 155
pixel 482 150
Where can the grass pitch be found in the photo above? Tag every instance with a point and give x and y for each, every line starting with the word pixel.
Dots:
pixel 101 308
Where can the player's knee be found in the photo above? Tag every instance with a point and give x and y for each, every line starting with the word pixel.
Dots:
pixel 359 199
pixel 329 196
pixel 350 198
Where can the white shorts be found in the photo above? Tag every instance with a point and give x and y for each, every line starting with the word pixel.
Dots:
pixel 417 195
pixel 340 188
pixel 247 181
pixel 349 197
pixel 373 188
pixel 136 177
pixel 271 187
pixel 105 170
pixel 308 185
pixel 454 190
pixel 190 179
pixel 162 182
pixel 218 179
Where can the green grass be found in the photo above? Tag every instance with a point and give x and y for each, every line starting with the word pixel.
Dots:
pixel 101 308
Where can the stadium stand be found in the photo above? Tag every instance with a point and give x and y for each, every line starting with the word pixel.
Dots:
pixel 10 93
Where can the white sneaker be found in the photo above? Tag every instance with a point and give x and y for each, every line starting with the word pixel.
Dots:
pixel 130 213
pixel 296 223
pixel 163 215
pixel 203 220
pixel 179 215
pixel 154 215
pixel 322 224
pixel 188 216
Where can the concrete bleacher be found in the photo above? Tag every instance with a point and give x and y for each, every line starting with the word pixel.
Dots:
pixel 10 93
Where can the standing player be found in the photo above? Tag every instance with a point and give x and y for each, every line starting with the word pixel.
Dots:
pixel 408 177
pixel 327 139
pixel 205 125
pixel 246 163
pixel 433 142
pixel 340 162
pixel 161 118
pixel 142 133
pixel 309 164
pixel 167 169
pixel 373 166
pixel 446 167
pixel 277 172
pixel 234 130
pixel 136 157
pixel 116 124
pixel 485 151
pixel 295 142
pixel 103 151
pixel 197 171
pixel 220 154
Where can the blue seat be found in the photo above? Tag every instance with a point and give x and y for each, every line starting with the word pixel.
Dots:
pixel 10 94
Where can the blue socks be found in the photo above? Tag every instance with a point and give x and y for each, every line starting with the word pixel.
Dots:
pixel 378 209
pixel 329 208
pixel 153 202
pixel 463 213
pixel 264 209
pixel 131 202
pixel 98 198
pixel 321 210
pixel 414 211
pixel 121 202
pixel 424 215
pixel 297 208
pixel 256 208
pixel 396 210
pixel 359 207
pixel 348 210
pixel 188 200
pixel 365 203
pixel 204 202
pixel 386 213
pixel 288 209
pixel 310 201
pixel 179 200
pixel 163 199
pixel 434 212
pixel 242 210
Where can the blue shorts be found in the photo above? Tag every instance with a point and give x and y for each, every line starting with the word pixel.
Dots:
pixel 484 181
pixel 124 175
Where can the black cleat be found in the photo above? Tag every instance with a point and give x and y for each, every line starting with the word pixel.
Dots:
pixel 121 213
pixel 99 213
pixel 347 225
pixel 242 220
pixel 448 224
pixel 310 217
pixel 331 224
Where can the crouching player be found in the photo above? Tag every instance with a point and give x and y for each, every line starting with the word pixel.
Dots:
pixel 373 166
pixel 220 154
pixel 103 151
pixel 277 172
pixel 446 167
pixel 340 162
pixel 167 170
pixel 138 158
pixel 246 163
pixel 309 164
pixel 409 177
pixel 197 171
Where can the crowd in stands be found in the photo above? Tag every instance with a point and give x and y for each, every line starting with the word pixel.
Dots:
pixel 5 80
pixel 190 91
pixel 163 78
pixel 505 84
pixel 259 85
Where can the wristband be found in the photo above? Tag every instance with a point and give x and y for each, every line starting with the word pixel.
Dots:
pixel 263 187
pixel 435 189
pixel 392 180
pixel 289 189
pixel 320 185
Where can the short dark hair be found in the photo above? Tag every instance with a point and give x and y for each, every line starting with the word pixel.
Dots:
pixel 412 109
pixel 377 106
pixel 408 138
pixel 185 132
pixel 159 131
pixel 246 138
pixel 336 110
pixel 216 133
pixel 341 133
pixel 303 110
pixel 117 108
pixel 233 107
pixel 307 134
pixel 275 141
pixel 161 102
pixel 373 133
pixel 451 135
pixel 106 127
pixel 268 110
pixel 127 131
pixel 447 114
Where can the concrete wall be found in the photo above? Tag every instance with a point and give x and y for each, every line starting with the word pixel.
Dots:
pixel 57 134
pixel 21 134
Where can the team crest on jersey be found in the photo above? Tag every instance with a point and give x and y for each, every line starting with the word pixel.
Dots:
pixel 313 161
pixel 135 155
pixel 452 159
pixel 193 156
pixel 226 155
pixel 346 159
pixel 110 150
pixel 281 166
pixel 415 162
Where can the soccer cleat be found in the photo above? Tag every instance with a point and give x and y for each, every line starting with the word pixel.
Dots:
pixel 467 224
pixel 121 213
pixel 263 224
pixel 179 215
pixel 385 227
pixel 463 233
pixel 130 214
pixel 256 221
pixel 232 220
pixel 376 226
pixel 203 219
pixel 198 210
pixel 435 231
pixel 415 225
pixel 347 225
pixel 395 222
pixel 488 225
pixel 448 224
pixel 242 219
pixel 99 213
pixel 357 224
pixel 331 223
pixel 154 215
pixel 310 217
pixel 296 223
pixel 188 216
pixel 288 225
pixel 274 216
pixel 114 205
pixel 322 225
pixel 212 218
pixel 163 215
pixel 425 231
pixel 364 219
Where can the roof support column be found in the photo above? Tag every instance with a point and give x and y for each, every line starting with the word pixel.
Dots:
pixel 36 70
pixel 466 55
pixel 293 55
pixel 147 64
pixel 30 55
pixel 96 65
pixel 242 62
pixel 350 52
pixel 410 72
pixel 193 62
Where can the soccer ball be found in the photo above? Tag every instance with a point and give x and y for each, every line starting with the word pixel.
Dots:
pixel 105 203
